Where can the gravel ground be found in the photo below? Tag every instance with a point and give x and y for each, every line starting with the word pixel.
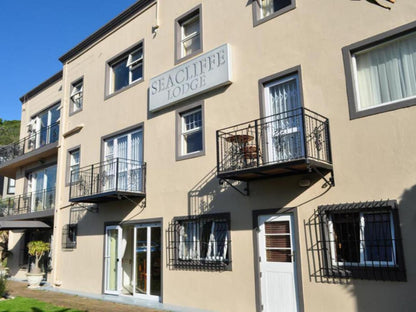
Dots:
pixel 69 301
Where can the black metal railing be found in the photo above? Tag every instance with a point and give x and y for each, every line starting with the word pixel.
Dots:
pixel 114 175
pixel 284 137
pixel 35 140
pixel 28 203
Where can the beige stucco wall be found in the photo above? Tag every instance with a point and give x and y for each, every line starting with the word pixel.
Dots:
pixel 372 156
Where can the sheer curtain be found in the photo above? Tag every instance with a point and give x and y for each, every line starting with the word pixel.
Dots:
pixel 286 126
pixel 267 7
pixel 387 73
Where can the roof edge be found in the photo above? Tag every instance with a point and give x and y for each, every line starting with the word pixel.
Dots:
pixel 41 87
pixel 107 28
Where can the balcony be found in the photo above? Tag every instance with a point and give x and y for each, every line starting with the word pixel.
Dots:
pixel 292 142
pixel 34 204
pixel 36 146
pixel 108 180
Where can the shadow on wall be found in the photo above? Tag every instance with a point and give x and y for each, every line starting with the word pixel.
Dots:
pixel 371 295
pixel 210 196
pixel 16 256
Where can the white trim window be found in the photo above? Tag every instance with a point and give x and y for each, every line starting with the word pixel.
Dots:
pixel 385 73
pixel 190 35
pixel 44 128
pixel 126 70
pixel 268 7
pixel 74 163
pixel 11 186
pixel 124 158
pixel 203 239
pixel 362 239
pixel 77 96
pixel 191 131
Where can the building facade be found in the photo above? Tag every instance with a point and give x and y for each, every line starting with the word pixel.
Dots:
pixel 229 156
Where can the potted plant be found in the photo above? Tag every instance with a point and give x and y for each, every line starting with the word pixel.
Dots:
pixel 36 249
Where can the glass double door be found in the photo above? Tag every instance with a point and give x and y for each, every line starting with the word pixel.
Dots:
pixel 41 186
pixel 125 174
pixel 133 260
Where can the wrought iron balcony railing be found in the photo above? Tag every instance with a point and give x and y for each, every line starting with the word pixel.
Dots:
pixel 108 180
pixel 284 140
pixel 28 203
pixel 35 140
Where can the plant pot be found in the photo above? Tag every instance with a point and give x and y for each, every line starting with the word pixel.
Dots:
pixel 34 279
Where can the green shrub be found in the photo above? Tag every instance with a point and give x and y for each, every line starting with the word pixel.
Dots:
pixel 3 285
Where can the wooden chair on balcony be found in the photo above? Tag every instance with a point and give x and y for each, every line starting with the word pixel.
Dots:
pixel 249 153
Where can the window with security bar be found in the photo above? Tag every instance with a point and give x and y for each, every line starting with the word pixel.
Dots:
pixel 362 240
pixel 200 242
pixel 69 236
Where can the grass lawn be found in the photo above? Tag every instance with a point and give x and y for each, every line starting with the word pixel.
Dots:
pixel 21 304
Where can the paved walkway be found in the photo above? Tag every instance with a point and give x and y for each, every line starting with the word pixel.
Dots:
pixel 71 301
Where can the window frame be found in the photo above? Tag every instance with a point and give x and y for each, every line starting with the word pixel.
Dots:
pixel 362 242
pixel 173 248
pixel 256 11
pixel 370 270
pixel 125 55
pixel 180 113
pixel 11 186
pixel 69 236
pixel 73 93
pixel 348 53
pixel 179 22
pixel 68 162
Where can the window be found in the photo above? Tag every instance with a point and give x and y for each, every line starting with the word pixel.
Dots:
pixel 77 96
pixel 264 10
pixel 200 242
pixel 69 236
pixel 126 69
pixel 381 73
pixel 44 128
pixel 188 34
pixel 363 240
pixel 11 184
pixel 190 132
pixel 123 166
pixel 41 186
pixel 74 162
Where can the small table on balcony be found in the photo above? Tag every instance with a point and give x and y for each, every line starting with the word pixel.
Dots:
pixel 240 152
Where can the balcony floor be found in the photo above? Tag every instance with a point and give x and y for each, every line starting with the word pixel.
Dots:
pixel 300 166
pixel 107 196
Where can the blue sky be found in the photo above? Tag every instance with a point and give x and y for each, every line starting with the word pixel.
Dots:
pixel 34 34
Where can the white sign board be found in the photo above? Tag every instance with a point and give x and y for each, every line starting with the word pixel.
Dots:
pixel 201 74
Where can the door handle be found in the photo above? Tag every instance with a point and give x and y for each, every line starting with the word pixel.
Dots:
pixel 293 256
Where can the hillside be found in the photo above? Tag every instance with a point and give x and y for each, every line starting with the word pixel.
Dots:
pixel 9 131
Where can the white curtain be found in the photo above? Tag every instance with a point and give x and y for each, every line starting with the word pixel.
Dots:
pixel 387 73
pixel 267 7
pixel 286 127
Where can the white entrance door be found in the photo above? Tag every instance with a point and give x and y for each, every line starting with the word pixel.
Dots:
pixel 284 124
pixel 112 275
pixel 277 263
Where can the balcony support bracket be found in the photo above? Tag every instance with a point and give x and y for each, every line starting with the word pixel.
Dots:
pixel 89 207
pixel 141 202
pixel 244 192
pixel 330 181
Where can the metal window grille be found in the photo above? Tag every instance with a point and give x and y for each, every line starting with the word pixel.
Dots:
pixel 69 236
pixel 199 243
pixel 358 240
